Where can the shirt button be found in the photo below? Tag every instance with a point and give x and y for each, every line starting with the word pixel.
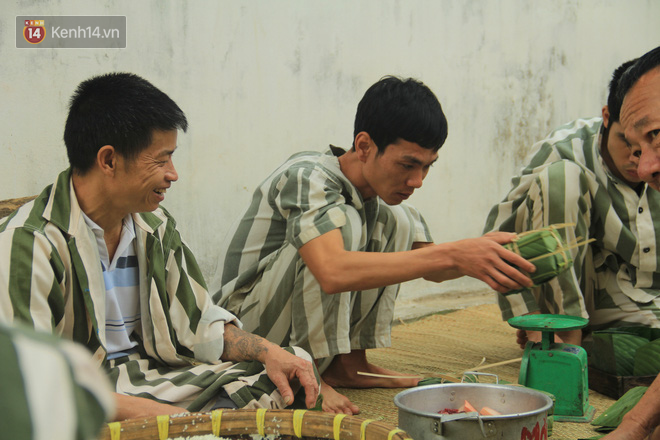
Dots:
pixel 646 250
pixel 641 210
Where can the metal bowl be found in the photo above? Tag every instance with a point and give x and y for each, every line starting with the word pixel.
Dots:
pixel 524 412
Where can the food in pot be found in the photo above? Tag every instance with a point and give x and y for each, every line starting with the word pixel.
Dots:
pixel 468 407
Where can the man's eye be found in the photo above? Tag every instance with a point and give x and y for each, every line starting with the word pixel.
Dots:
pixel 407 166
pixel 654 133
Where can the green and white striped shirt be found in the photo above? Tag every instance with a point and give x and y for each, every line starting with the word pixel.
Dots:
pixel 303 199
pixel 567 180
pixel 267 284
pixel 50 388
pixel 51 279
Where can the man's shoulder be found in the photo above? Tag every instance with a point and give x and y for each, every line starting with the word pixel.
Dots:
pixel 29 215
pixel 576 141
pixel 305 159
pixel 584 129
pixel 309 165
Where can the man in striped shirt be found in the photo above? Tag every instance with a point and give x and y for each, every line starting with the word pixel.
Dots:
pixel 317 259
pixel 640 118
pixel 96 260
pixel 585 173
pixel 50 388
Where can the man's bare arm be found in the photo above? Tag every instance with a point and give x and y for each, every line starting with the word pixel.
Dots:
pixel 339 270
pixel 643 419
pixel 131 407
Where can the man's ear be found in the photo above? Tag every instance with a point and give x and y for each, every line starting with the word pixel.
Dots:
pixel 606 116
pixel 363 145
pixel 106 160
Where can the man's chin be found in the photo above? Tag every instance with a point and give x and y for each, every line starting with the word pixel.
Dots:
pixel 392 201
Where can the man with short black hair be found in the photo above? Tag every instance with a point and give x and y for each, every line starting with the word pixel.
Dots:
pixel 640 118
pixel 95 259
pixel 317 259
pixel 585 174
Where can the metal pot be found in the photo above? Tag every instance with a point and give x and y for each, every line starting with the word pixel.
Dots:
pixel 524 412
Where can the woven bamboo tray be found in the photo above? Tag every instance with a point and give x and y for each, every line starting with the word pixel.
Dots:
pixel 238 424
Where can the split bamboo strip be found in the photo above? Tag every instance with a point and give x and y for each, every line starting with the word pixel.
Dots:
pixel 243 424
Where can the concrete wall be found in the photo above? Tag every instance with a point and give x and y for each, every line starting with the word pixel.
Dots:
pixel 260 80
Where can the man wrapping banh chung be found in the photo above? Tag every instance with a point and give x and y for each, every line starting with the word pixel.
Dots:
pixel 583 178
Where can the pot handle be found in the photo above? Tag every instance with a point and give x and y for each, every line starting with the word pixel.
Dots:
pixel 479 373
pixel 487 429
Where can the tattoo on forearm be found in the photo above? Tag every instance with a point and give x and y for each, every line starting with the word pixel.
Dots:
pixel 242 346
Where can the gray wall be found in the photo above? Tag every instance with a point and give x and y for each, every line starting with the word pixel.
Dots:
pixel 260 80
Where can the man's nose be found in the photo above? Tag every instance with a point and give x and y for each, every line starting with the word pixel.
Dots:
pixel 416 179
pixel 649 163
pixel 635 153
pixel 171 174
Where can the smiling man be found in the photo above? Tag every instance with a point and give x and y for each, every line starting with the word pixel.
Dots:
pixel 586 173
pixel 95 259
pixel 317 259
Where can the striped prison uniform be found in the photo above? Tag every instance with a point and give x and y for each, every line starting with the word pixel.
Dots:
pixel 51 278
pixel 615 280
pixel 266 283
pixel 50 388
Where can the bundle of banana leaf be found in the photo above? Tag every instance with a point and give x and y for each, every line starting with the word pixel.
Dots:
pixel 611 418
pixel 627 351
pixel 546 249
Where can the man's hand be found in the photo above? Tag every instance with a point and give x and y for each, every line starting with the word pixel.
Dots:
pixel 485 259
pixel 282 367
pixel 131 407
pixel 629 430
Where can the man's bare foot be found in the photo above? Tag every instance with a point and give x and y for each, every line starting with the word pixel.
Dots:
pixel 343 373
pixel 523 336
pixel 333 402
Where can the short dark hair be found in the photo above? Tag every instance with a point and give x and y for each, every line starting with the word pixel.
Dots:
pixel 118 109
pixel 613 101
pixel 396 108
pixel 649 61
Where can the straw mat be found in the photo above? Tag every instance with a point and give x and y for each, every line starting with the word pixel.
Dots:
pixel 450 344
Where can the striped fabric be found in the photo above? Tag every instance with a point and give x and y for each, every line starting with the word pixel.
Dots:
pixel 50 388
pixel 266 283
pixel 615 280
pixel 51 279
pixel 122 288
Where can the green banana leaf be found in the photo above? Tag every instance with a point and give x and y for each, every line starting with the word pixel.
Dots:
pixel 647 359
pixel 627 351
pixel 614 351
pixel 545 248
pixel 612 416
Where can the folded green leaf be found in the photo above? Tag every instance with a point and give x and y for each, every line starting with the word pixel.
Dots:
pixel 625 347
pixel 647 359
pixel 602 355
pixel 547 250
pixel 612 416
